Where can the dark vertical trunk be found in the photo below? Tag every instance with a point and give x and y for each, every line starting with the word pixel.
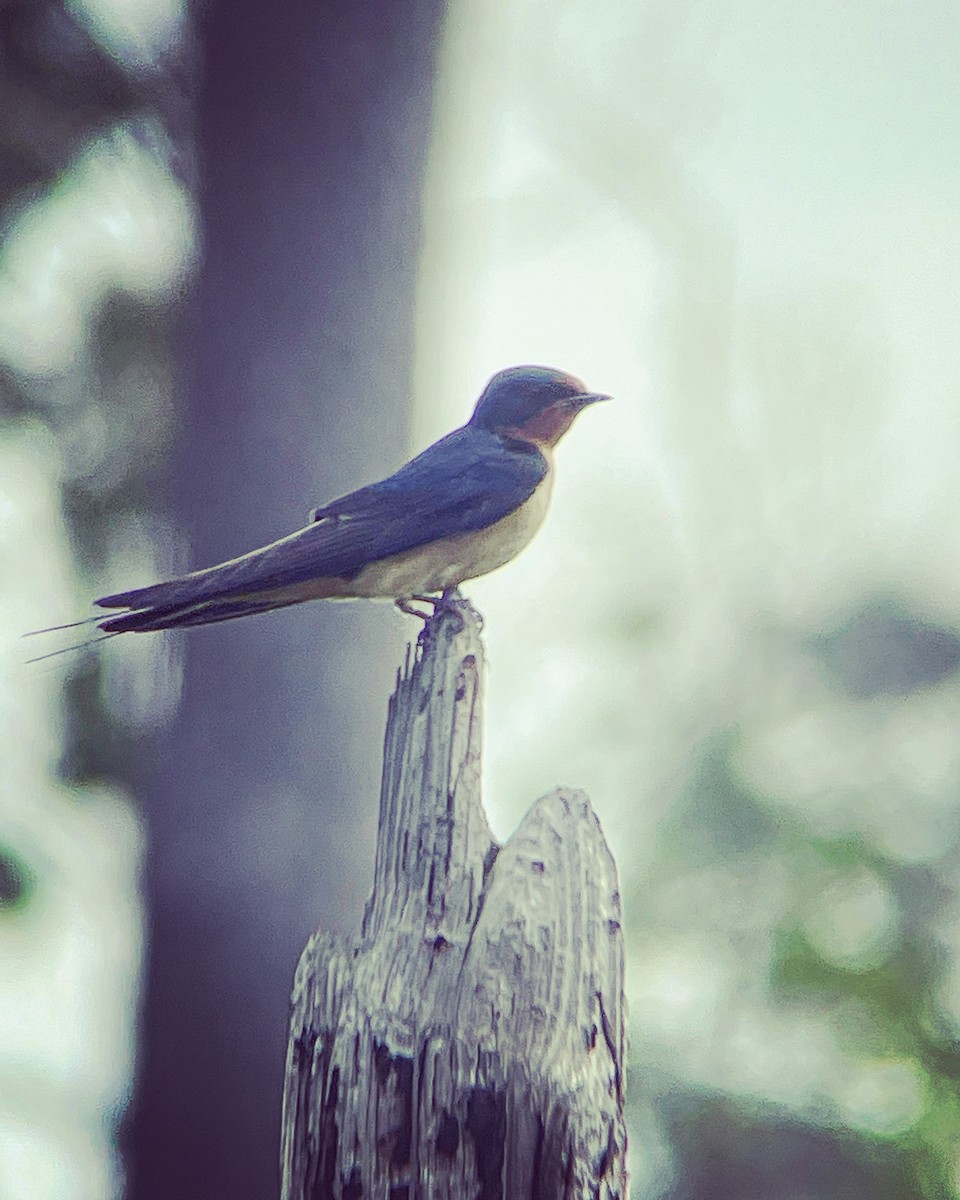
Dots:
pixel 313 126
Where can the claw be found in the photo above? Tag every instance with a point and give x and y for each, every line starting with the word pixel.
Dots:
pixel 446 602
pixel 405 606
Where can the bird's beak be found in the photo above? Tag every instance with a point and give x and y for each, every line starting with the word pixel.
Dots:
pixel 586 398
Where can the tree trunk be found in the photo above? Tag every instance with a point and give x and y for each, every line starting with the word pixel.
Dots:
pixel 470 1042
pixel 313 123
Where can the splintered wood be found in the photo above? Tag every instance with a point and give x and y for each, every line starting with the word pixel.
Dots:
pixel 469 1044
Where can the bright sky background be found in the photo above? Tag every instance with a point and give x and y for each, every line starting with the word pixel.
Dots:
pixel 744 230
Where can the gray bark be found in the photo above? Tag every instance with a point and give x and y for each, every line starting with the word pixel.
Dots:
pixel 470 1042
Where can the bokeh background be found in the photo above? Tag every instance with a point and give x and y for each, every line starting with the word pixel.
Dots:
pixel 253 256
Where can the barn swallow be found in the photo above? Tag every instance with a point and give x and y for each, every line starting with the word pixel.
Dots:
pixel 465 506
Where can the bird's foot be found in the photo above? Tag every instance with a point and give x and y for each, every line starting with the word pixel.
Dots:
pixel 405 605
pixel 447 601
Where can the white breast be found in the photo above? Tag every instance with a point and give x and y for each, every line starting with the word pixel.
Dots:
pixel 448 562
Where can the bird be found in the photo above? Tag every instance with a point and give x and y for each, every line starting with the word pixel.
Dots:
pixel 465 506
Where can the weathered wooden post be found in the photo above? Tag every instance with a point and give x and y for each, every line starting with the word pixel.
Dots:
pixel 469 1044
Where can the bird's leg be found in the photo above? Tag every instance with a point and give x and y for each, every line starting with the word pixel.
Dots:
pixel 445 602
pixel 448 602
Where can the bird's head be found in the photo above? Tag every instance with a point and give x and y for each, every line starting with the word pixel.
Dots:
pixel 533 404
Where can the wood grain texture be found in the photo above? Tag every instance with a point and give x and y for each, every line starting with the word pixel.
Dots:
pixel 470 1042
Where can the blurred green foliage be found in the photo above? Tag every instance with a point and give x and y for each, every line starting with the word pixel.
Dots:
pixel 846 947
